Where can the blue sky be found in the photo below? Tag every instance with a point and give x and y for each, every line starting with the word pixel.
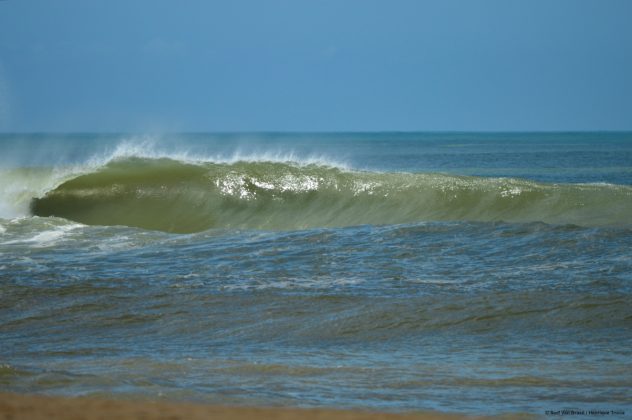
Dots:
pixel 319 65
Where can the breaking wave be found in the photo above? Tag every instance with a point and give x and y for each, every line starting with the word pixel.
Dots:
pixel 177 196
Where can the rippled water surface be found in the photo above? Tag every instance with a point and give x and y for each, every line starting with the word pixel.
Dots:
pixel 478 273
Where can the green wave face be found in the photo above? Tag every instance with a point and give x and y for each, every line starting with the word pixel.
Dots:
pixel 173 196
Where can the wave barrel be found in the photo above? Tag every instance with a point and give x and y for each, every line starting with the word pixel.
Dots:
pixel 174 196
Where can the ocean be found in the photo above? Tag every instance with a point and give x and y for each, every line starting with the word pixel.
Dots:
pixel 479 273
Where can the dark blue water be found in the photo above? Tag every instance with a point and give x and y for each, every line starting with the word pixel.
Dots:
pixel 486 312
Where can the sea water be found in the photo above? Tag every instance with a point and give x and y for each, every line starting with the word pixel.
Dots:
pixel 481 273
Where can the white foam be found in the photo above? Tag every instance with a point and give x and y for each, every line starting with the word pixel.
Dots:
pixel 47 237
pixel 115 244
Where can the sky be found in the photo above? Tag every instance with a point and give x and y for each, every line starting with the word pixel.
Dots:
pixel 315 65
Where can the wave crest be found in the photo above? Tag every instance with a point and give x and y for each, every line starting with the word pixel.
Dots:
pixel 178 196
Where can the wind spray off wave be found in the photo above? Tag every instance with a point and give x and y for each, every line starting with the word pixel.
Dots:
pixel 176 196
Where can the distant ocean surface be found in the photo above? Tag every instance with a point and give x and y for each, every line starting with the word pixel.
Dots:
pixel 481 273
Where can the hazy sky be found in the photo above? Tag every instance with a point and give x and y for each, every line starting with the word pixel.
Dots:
pixel 318 65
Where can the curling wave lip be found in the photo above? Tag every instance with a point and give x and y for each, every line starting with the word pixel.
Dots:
pixel 183 197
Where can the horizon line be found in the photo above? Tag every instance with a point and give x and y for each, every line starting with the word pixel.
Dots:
pixel 229 132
